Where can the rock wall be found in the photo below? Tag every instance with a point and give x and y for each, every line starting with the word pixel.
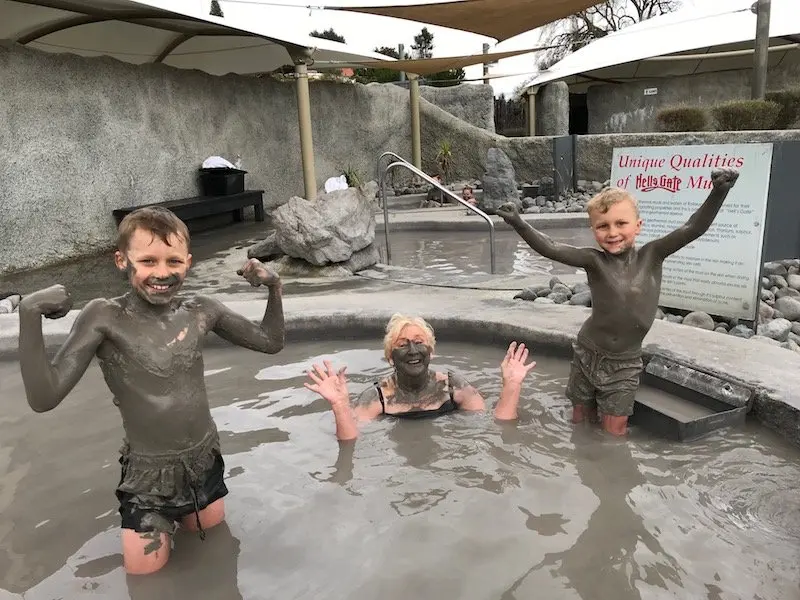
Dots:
pixel 473 104
pixel 83 136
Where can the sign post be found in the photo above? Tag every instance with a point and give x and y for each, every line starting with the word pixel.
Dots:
pixel 720 272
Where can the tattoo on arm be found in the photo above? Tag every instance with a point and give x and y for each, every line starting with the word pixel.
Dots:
pixel 366 398
pixel 465 394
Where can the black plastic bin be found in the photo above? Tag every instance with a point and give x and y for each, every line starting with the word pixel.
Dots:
pixel 221 181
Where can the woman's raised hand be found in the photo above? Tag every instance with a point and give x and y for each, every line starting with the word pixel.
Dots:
pixel 513 367
pixel 328 383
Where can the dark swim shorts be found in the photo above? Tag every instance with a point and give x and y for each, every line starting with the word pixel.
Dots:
pixel 155 492
pixel 604 380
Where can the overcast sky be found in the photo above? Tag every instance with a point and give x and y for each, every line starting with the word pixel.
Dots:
pixel 365 32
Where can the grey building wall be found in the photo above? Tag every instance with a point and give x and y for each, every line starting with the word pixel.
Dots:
pixel 80 137
pixel 623 108
pixel 473 104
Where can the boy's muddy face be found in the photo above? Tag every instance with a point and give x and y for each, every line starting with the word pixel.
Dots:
pixel 616 229
pixel 156 270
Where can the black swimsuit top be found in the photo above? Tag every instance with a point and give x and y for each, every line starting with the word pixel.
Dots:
pixel 418 413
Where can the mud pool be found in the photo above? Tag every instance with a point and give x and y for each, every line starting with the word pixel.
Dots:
pixel 457 507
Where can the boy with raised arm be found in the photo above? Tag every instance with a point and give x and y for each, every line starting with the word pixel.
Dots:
pixel 148 343
pixel 625 282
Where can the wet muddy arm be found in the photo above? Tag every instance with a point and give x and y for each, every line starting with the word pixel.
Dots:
pixel 267 337
pixel 506 408
pixel 544 245
pixel 347 414
pixel 700 221
pixel 346 421
pixel 47 384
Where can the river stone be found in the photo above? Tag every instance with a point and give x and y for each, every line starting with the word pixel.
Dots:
pixel 787 292
pixel 765 340
pixel 779 281
pixel 765 311
pixel 774 268
pixel 579 287
pixel 793 280
pixel 777 329
pixel 526 294
pixel 581 299
pixel 789 307
pixel 560 288
pixel 558 297
pixel 741 331
pixel 700 320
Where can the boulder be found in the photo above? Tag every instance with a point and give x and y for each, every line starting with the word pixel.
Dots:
pixel 286 266
pixel 265 250
pixel 329 229
pixel 499 182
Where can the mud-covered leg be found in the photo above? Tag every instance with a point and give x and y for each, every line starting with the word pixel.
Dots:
pixel 144 553
pixel 581 393
pixel 615 425
pixel 210 516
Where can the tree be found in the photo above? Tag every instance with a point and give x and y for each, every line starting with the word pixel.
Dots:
pixel 328 34
pixel 380 75
pixel 447 78
pixel 423 48
pixel 423 44
pixel 578 30
pixel 215 11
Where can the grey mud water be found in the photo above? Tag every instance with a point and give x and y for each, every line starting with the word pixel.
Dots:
pixel 455 507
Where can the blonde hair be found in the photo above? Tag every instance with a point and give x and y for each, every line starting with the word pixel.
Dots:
pixel 608 198
pixel 395 326
pixel 153 219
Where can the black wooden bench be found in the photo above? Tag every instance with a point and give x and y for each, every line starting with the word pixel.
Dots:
pixel 204 206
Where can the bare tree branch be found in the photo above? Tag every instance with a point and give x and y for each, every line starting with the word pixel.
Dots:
pixel 595 22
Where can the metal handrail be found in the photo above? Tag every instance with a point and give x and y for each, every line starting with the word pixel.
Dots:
pixel 401 162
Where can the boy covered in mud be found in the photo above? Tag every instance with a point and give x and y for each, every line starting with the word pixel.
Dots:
pixel 148 343
pixel 625 282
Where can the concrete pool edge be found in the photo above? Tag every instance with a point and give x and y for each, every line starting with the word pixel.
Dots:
pixel 475 315
pixel 456 219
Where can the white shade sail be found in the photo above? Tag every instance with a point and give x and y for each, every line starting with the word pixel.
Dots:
pixel 179 33
pixel 719 37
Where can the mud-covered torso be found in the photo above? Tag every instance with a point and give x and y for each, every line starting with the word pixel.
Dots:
pixel 153 364
pixel 624 300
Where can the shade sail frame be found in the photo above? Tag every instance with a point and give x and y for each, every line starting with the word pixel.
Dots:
pixel 429 66
pixel 498 19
